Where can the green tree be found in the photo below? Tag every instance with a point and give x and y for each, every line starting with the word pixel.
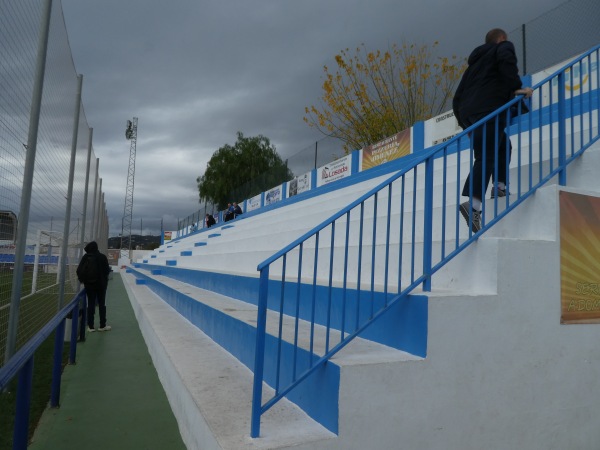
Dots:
pixel 238 172
pixel 374 95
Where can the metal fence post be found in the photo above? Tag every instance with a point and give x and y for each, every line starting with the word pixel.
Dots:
pixel 67 227
pixel 95 198
pixel 86 191
pixel 34 120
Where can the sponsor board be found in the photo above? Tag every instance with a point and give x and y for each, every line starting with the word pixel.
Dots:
pixel 579 79
pixel 299 185
pixel 273 195
pixel 253 203
pixel 113 256
pixel 579 258
pixel 441 129
pixel 334 171
pixel 386 150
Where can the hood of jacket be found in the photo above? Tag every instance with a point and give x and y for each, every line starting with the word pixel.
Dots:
pixel 479 52
pixel 92 247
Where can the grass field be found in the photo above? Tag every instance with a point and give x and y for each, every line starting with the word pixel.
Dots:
pixel 35 309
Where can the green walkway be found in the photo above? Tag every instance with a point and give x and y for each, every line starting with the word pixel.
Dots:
pixel 111 398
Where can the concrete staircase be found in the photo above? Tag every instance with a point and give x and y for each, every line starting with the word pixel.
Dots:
pixel 491 368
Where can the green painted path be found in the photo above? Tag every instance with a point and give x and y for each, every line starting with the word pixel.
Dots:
pixel 112 397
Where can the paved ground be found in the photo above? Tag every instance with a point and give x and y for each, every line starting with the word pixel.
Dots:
pixel 112 398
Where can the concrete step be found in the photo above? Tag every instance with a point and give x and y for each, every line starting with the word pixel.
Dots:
pixel 209 390
pixel 232 325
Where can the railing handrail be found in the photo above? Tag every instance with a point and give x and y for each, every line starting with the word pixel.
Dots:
pixel 18 360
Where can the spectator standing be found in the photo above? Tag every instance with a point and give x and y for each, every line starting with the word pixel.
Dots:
pixel 210 221
pixel 490 81
pixel 93 272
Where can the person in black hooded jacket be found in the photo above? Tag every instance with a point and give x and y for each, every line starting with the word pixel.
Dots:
pixel 95 284
pixel 490 81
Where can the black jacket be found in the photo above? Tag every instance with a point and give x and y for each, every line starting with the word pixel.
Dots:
pixel 488 83
pixel 103 266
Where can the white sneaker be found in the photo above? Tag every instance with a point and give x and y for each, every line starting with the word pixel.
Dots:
pixel 105 328
pixel 91 330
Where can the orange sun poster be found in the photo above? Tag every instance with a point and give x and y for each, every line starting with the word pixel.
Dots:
pixel 579 258
pixel 389 149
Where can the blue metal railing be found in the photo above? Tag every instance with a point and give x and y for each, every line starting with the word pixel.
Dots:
pixel 21 366
pixel 324 289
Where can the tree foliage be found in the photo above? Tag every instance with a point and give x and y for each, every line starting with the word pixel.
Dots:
pixel 238 172
pixel 373 95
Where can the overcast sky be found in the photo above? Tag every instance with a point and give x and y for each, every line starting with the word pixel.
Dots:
pixel 195 72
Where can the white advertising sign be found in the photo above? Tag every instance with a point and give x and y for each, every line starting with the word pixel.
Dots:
pixel 579 79
pixel 441 129
pixel 334 171
pixel 299 184
pixel 253 203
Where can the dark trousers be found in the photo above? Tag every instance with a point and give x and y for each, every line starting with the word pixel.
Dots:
pixel 96 296
pixel 491 151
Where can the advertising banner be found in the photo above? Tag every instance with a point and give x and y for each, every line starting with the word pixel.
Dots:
pixel 579 79
pixel 441 129
pixel 334 171
pixel 386 150
pixel 273 195
pixel 579 258
pixel 299 185
pixel 113 256
pixel 168 235
pixel 253 203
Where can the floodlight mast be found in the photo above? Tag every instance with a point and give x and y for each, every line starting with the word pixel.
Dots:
pixel 131 135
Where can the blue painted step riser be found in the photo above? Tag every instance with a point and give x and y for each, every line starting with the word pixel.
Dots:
pixel 404 327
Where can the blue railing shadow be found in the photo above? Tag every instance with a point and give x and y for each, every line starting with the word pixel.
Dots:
pixel 384 244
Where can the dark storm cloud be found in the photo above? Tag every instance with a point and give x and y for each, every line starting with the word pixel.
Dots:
pixel 195 72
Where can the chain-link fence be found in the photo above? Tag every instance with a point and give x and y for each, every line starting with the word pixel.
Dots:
pixel 50 196
pixel 563 32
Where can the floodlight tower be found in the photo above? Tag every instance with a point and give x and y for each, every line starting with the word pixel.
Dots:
pixel 131 135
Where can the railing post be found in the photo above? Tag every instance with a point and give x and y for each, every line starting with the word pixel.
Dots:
pixel 428 224
pixel 21 430
pixel 83 300
pixel 74 332
pixel 562 131
pixel 259 355
pixel 59 340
